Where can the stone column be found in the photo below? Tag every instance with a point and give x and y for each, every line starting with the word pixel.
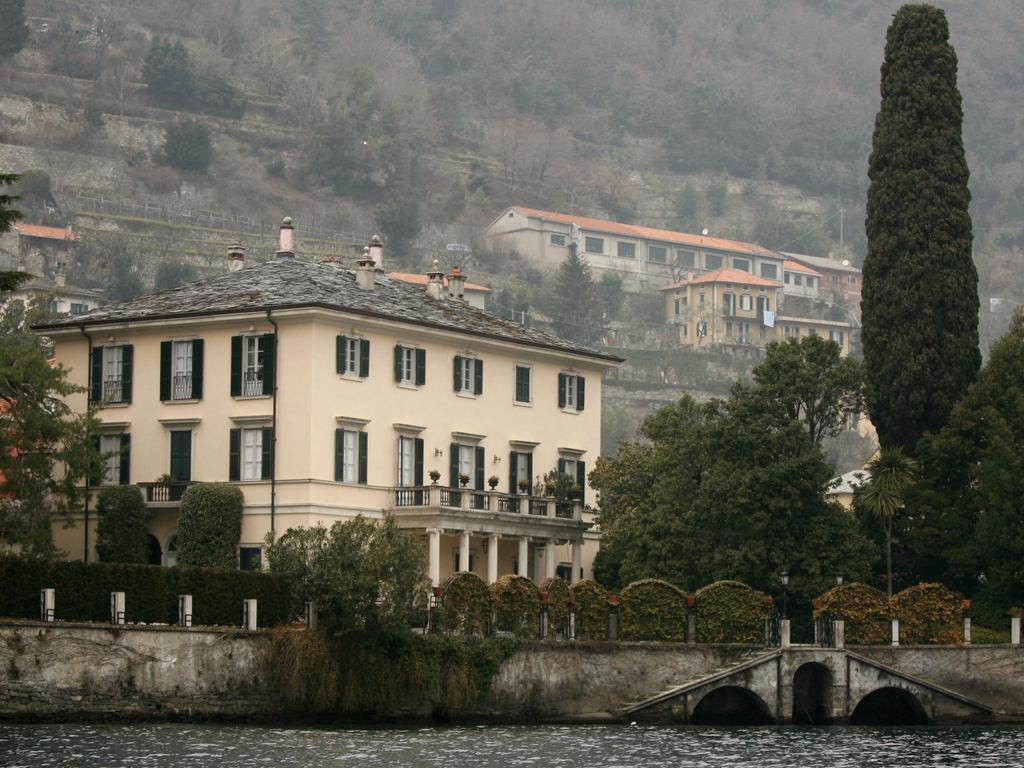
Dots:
pixel 492 558
pixel 784 633
pixel 967 630
pixel 577 561
pixel 839 631
pixel 1015 631
pixel 434 556
pixel 524 557
pixel 895 631
pixel 464 551
pixel 549 559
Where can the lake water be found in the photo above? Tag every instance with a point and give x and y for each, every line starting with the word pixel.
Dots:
pixel 604 746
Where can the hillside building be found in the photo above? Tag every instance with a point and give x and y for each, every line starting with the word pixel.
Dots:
pixel 324 393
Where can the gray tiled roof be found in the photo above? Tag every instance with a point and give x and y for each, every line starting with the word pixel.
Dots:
pixel 288 282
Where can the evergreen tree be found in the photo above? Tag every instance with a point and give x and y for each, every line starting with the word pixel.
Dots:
pixel 13 30
pixel 169 73
pixel 8 215
pixel 171 274
pixel 187 145
pixel 572 305
pixel 122 533
pixel 920 295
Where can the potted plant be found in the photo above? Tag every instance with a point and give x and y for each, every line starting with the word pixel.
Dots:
pixel 492 481
pixel 165 480
pixel 463 480
pixel 434 476
pixel 524 486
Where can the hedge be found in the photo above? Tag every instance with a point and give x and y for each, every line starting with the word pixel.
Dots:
pixel 865 611
pixel 467 604
pixel 730 612
pixel 517 604
pixel 555 592
pixel 651 609
pixel 591 603
pixel 122 533
pixel 929 613
pixel 151 592
pixel 210 525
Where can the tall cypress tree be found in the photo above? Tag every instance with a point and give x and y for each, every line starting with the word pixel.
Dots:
pixel 920 292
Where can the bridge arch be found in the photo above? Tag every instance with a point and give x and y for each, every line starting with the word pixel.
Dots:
pixel 812 694
pixel 731 705
pixel 889 706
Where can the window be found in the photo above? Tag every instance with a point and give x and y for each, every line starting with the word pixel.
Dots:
pixel 745 302
pixel 469 375
pixel 350 456
pixel 836 336
pixel 787 279
pixel 744 332
pixel 558 240
pixel 520 470
pixel 851 280
pixel 410 461
pixel 575 469
pixel 810 282
pixel 112 374
pixel 686 330
pixel 466 460
pixel 251 454
pixel 728 303
pixel 524 373
pixel 181 455
pixel 252 365
pixel 571 391
pixel 812 332
pixel 593 244
pixel 77 309
pixel 181 370
pixel 657 254
pixel 115 459
pixel 625 250
pixel 352 356
pixel 770 271
pixel 410 365
pixel 677 308
pixel 686 258
pixel 700 300
pixel 711 261
pixel 763 305
pixel 798 280
pixel 791 331
pixel 728 328
pixel 250 558
pixel 743 264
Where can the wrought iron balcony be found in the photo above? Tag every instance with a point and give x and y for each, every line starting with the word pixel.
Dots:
pixel 252 383
pixel 113 389
pixel 181 386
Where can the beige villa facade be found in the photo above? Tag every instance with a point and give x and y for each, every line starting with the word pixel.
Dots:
pixel 326 393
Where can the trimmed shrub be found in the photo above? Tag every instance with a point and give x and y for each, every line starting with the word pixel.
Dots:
pixel 652 609
pixel 865 611
pixel 590 601
pixel 517 603
pixel 556 595
pixel 122 533
pixel 929 613
pixel 210 525
pixel 151 592
pixel 730 612
pixel 467 604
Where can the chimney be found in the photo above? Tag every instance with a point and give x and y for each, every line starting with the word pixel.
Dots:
pixel 435 282
pixel 286 243
pixel 365 271
pixel 236 257
pixel 457 284
pixel 376 251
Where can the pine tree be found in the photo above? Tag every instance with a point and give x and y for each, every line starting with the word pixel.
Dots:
pixel 573 309
pixel 920 295
pixel 13 30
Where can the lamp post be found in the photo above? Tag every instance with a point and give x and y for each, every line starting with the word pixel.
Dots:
pixel 784 577
pixel 839 595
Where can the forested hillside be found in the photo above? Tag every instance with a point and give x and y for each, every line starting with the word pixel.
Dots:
pixel 424 118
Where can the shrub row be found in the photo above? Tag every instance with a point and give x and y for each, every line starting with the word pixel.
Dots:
pixel 151 592
pixel 928 613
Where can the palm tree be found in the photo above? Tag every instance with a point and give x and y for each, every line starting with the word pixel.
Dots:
pixel 892 472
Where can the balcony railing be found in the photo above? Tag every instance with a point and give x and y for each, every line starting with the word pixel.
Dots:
pixel 478 500
pixel 470 499
pixel 538 507
pixel 163 492
pixel 113 390
pixel 563 509
pixel 252 383
pixel 509 504
pixel 411 497
pixel 181 386
pixel 450 497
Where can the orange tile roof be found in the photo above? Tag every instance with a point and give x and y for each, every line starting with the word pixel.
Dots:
pixel 50 233
pixel 795 266
pixel 418 279
pixel 725 275
pixel 650 233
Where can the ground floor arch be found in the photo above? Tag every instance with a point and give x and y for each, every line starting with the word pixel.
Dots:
pixel 889 706
pixel 731 705
pixel 812 694
pixel 154 552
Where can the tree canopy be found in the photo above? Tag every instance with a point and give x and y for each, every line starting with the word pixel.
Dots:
pixel 571 304
pixel 14 31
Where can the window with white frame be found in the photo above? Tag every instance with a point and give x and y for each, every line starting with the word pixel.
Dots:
pixel 686 258
pixel 657 254
pixel 110 447
pixel 798 280
pixel 467 460
pixel 729 303
pixel 468 375
pixel 350 356
pixel 625 250
pixel 113 366
pixel 181 370
pixel 252 365
pixel 711 261
pixel 743 264
pixel 558 240
pixel 745 302
pixel 593 244
pixel 836 336
pixel 744 332
pixel 572 390
pixel 349 456
pixel 406 461
pixel 770 271
pixel 252 454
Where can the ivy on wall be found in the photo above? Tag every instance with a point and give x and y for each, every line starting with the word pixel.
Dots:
pixel 467 604
pixel 558 599
pixel 865 610
pixel 929 613
pixel 517 604
pixel 730 612
pixel 590 601
pixel 652 609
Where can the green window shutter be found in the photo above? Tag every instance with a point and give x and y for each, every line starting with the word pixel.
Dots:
pixel 96 394
pixel 363 445
pixel 339 354
pixel 235 455
pixel 561 390
pixel 453 464
pixel 581 478
pixel 479 468
pixel 398 362
pixel 581 391
pixel 126 459
pixel 457 369
pixel 181 455
pixel 522 384
pixel 417 477
pixel 339 455
pixel 364 358
pixel 236 367
pixel 267 453
pixel 269 362
pixel 478 377
pixel 197 369
pixel 421 367
pixel 513 472
pixel 529 468
pixel 127 364
pixel 561 466
pixel 165 370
